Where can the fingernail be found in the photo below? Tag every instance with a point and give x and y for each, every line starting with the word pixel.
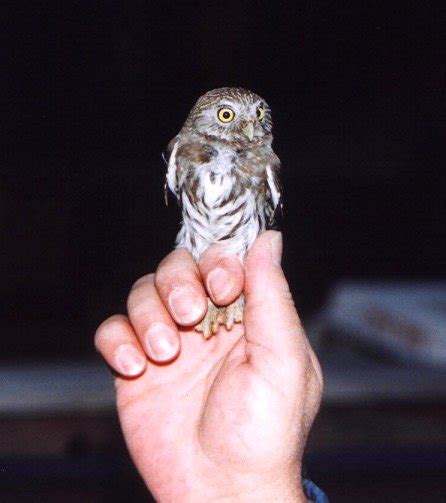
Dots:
pixel 276 248
pixel 186 305
pixel 161 342
pixel 129 361
pixel 219 283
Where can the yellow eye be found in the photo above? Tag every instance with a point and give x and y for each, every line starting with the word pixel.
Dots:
pixel 225 115
pixel 260 113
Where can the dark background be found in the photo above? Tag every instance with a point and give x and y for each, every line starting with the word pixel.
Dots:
pixel 92 92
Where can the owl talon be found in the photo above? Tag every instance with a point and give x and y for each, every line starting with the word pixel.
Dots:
pixel 216 316
pixel 229 318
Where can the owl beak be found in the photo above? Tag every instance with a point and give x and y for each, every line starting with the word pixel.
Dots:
pixel 248 130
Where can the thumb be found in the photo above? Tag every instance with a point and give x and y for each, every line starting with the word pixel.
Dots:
pixel 271 320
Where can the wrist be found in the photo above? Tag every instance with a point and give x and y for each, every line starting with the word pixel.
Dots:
pixel 252 489
pixel 261 494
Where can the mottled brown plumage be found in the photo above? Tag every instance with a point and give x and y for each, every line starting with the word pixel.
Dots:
pixel 223 171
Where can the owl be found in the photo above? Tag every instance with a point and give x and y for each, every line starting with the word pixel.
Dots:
pixel 223 171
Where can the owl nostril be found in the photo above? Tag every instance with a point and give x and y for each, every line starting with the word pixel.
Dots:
pixel 243 124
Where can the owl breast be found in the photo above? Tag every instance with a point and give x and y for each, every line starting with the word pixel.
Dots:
pixel 221 202
pixel 216 180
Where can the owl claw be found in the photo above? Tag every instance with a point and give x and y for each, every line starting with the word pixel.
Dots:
pixel 217 316
pixel 229 319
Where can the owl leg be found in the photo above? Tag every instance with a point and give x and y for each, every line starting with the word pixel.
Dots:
pixel 217 316
pixel 209 324
pixel 234 312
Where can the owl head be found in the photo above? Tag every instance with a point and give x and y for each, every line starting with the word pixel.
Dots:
pixel 232 114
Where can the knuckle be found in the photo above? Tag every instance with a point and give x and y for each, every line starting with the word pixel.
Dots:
pixel 143 281
pixel 217 256
pixel 175 258
pixel 315 393
pixel 319 374
pixel 166 272
pixel 211 255
pixel 172 275
pixel 108 329
pixel 138 311
pixel 229 263
pixel 302 366
pixel 317 384
pixel 141 290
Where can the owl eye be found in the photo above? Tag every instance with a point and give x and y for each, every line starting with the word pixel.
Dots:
pixel 260 113
pixel 225 115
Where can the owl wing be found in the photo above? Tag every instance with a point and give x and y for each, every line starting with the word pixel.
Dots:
pixel 171 173
pixel 185 156
pixel 273 197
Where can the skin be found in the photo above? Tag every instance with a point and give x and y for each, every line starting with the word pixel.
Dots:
pixel 224 419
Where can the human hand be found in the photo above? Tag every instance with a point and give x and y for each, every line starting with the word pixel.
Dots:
pixel 224 419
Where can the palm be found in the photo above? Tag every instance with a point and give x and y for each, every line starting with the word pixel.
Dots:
pixel 201 412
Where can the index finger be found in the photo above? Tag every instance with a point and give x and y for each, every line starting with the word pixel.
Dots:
pixel 223 274
pixel 180 287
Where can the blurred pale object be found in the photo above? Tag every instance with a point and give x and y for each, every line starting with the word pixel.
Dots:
pixel 404 319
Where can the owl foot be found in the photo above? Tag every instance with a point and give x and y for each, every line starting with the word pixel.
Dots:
pixel 216 316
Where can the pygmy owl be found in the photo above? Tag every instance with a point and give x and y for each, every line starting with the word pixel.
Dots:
pixel 224 173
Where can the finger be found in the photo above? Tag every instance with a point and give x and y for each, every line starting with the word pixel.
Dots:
pixel 271 319
pixel 180 287
pixel 155 329
pixel 223 275
pixel 117 343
